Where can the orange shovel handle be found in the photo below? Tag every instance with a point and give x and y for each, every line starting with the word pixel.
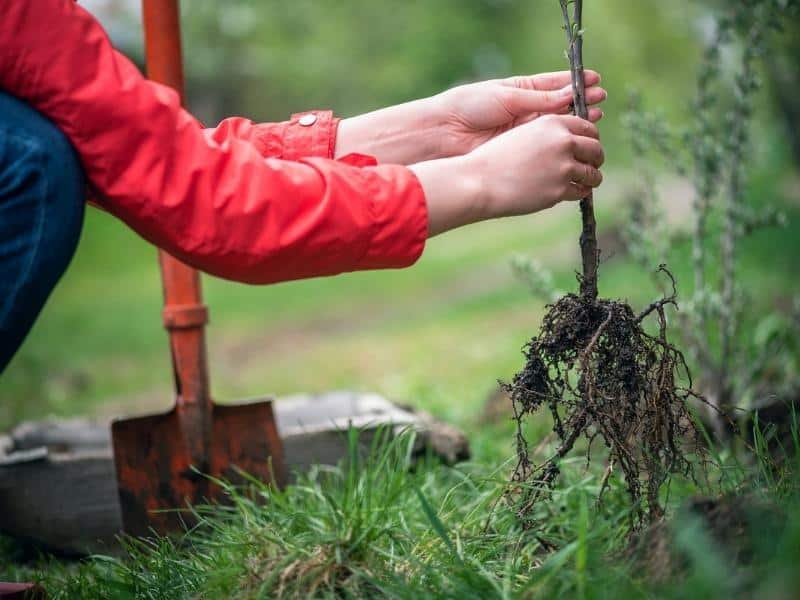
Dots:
pixel 185 315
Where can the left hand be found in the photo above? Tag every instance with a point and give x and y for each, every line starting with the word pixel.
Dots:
pixel 474 113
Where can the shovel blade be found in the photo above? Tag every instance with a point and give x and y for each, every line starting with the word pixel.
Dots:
pixel 157 474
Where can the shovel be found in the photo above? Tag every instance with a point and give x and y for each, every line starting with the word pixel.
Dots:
pixel 165 461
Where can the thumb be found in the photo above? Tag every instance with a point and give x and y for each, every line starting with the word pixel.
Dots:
pixel 521 102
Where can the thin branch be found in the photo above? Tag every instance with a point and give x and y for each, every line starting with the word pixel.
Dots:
pixel 590 254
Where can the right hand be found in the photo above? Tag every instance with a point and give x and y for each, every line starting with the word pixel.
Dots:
pixel 525 170
pixel 537 165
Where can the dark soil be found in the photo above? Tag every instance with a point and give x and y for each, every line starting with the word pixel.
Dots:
pixel 738 528
pixel 601 375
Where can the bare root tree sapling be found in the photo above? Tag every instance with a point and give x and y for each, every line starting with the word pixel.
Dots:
pixel 599 373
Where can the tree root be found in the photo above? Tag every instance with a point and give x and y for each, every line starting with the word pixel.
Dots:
pixel 600 374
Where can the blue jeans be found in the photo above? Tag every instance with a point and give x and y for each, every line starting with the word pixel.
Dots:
pixel 41 215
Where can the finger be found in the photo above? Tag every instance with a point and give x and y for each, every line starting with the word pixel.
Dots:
pixel 551 81
pixel 589 150
pixel 586 175
pixel 576 191
pixel 595 95
pixel 595 114
pixel 580 126
pixel 520 102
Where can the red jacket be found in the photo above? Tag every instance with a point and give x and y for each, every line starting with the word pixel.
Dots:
pixel 256 203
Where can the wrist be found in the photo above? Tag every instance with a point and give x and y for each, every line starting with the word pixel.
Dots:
pixel 404 134
pixel 467 175
pixel 454 192
pixel 444 106
pixel 432 120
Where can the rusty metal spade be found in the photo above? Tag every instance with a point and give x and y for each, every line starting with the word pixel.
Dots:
pixel 165 461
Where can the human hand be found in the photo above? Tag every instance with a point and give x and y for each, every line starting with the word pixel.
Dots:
pixel 462 118
pixel 472 114
pixel 527 169
pixel 539 164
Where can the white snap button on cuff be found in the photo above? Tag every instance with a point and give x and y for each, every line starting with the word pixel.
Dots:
pixel 307 120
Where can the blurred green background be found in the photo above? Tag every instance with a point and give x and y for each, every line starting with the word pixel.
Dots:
pixel 437 335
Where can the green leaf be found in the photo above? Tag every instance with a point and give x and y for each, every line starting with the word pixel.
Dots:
pixel 436 522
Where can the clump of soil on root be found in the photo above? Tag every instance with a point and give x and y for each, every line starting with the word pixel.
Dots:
pixel 600 374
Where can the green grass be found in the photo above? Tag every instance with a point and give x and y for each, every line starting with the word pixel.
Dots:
pixel 382 525
pixel 437 336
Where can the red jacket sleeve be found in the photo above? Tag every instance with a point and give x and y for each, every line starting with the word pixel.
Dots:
pixel 307 134
pixel 210 199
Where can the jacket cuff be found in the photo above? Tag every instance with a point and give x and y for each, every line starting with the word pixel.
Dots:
pixel 310 134
pixel 400 220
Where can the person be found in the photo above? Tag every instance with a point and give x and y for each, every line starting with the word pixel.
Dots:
pixel 257 203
